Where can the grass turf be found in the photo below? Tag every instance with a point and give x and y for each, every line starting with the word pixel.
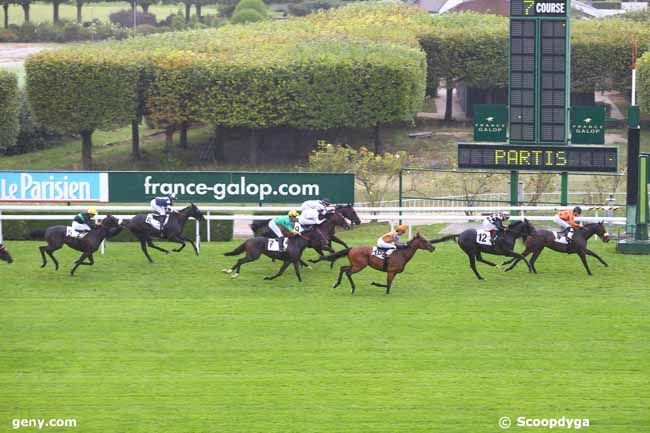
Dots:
pixel 179 347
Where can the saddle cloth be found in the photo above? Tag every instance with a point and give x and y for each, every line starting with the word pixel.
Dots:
pixel 484 237
pixel 381 253
pixel 152 221
pixel 274 244
pixel 72 233
pixel 560 238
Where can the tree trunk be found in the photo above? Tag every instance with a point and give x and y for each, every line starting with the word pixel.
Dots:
pixel 219 152
pixel 449 104
pixel 5 7
pixel 55 15
pixel 183 136
pixel 379 141
pixel 86 150
pixel 198 11
pixel 188 12
pixel 169 140
pixel 26 11
pixel 135 139
pixel 145 7
pixel 80 4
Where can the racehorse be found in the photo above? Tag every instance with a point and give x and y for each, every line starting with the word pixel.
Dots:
pixel 261 227
pixel 360 257
pixel 541 239
pixel 55 237
pixel 173 230
pixel 503 246
pixel 4 254
pixel 255 247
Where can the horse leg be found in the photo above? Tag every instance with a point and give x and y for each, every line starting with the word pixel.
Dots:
pixel 348 273
pixel 180 241
pixel 143 245
pixel 516 260
pixel 283 268
pixel 338 241
pixel 338 280
pixel 78 262
pixel 520 257
pixel 592 254
pixel 472 264
pixel 42 250
pixel 296 266
pixel 389 280
pixel 51 254
pixel 306 265
pixel 155 247
pixel 487 262
pixel 583 257
pixel 250 257
pixel 534 258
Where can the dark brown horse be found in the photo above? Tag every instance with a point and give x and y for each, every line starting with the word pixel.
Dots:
pixel 360 257
pixel 255 247
pixel 55 237
pixel 4 254
pixel 173 230
pixel 541 239
pixel 503 246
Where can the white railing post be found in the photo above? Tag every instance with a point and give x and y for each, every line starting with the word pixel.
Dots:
pixel 2 239
pixel 197 229
pixel 102 247
pixel 208 237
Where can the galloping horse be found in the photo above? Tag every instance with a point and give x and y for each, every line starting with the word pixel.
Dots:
pixel 55 237
pixel 255 247
pixel 541 239
pixel 360 257
pixel 261 227
pixel 503 246
pixel 173 230
pixel 4 254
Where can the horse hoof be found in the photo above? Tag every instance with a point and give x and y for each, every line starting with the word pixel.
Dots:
pixel 227 271
pixel 309 267
pixel 235 275
pixel 268 278
pixel 498 267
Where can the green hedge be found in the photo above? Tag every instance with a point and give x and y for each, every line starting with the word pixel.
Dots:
pixel 15 229
pixel 9 110
pixel 643 88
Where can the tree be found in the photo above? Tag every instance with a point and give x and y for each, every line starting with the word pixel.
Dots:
pixel 55 9
pixel 25 4
pixel 5 9
pixel 9 109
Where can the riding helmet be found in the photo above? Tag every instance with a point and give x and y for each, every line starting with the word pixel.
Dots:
pixel 172 196
pixel 326 201
pixel 402 228
pixel 293 213
pixel 577 209
pixel 92 211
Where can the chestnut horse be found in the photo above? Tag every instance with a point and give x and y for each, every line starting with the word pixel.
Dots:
pixel 540 239
pixel 360 257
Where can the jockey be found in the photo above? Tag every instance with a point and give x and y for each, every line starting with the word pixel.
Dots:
pixel 321 206
pixel 390 240
pixel 310 217
pixel 494 223
pixel 83 222
pixel 286 222
pixel 566 220
pixel 161 206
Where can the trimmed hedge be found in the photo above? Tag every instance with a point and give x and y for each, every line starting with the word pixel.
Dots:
pixel 244 16
pixel 9 110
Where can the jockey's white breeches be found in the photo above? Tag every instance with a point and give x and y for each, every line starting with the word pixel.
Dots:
pixel 275 228
pixel 80 228
pixel 309 217
pixel 559 221
pixel 160 210
pixel 381 243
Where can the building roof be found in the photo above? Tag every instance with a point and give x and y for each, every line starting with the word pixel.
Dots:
pixel 494 7
pixel 431 6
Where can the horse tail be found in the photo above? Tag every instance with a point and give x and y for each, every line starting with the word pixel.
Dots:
pixel 34 235
pixel 335 256
pixel 237 251
pixel 444 239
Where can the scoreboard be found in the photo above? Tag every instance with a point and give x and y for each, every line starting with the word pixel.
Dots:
pixel 538 157
pixel 539 79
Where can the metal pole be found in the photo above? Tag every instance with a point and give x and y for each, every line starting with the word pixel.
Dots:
pixel 564 189
pixel 401 172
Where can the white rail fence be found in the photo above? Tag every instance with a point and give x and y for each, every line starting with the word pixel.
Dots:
pixel 408 215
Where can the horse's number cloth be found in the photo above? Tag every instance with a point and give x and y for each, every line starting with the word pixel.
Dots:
pixel 153 222
pixel 382 254
pixel 72 233
pixel 274 244
pixel 561 238
pixel 483 237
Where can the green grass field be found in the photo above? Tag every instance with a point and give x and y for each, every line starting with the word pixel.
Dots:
pixel 42 12
pixel 179 347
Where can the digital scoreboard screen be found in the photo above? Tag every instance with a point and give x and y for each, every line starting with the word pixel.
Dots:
pixel 523 62
pixel 538 157
pixel 538 8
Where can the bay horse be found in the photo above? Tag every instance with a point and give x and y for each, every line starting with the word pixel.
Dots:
pixel 361 257
pixel 503 246
pixel 261 227
pixel 173 230
pixel 255 247
pixel 4 254
pixel 541 239
pixel 55 237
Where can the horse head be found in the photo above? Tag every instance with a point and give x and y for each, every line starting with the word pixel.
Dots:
pixel 348 212
pixel 109 222
pixel 4 254
pixel 601 231
pixel 193 211
pixel 338 220
pixel 522 228
pixel 419 242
